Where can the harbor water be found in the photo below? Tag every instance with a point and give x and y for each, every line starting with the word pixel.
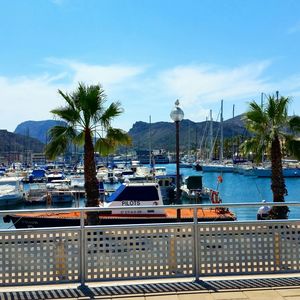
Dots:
pixel 235 188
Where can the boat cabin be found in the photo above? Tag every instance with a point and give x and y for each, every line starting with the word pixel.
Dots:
pixel 136 194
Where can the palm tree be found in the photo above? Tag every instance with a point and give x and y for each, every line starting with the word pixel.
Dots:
pixel 83 114
pixel 272 128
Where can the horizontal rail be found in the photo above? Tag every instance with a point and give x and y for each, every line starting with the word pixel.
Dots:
pixel 198 206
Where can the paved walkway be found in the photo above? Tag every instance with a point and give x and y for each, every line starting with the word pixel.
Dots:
pixel 252 288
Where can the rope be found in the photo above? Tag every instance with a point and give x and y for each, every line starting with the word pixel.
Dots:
pixel 261 197
pixel 15 223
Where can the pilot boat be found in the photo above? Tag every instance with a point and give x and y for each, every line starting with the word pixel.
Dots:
pixel 137 195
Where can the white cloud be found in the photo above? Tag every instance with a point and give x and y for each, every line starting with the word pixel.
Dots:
pixel 32 98
pixel 141 92
pixel 209 84
pixel 26 99
pixel 93 74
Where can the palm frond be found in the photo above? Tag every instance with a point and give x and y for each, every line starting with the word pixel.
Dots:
pixel 68 99
pixel 114 137
pixel 105 146
pixel 68 114
pixel 119 136
pixel 79 138
pixel 271 107
pixel 56 147
pixel 110 113
pixel 281 116
pixel 253 146
pixel 90 99
pixel 60 137
pixel 256 120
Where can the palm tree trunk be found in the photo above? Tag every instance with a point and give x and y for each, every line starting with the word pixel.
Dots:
pixel 277 180
pixel 91 182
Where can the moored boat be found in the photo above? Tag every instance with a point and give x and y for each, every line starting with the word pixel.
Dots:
pixel 193 191
pixel 11 191
pixel 267 172
pixel 60 192
pixel 36 194
pixel 135 195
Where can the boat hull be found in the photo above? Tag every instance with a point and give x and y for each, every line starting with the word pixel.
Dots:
pixel 56 221
pixel 9 200
pixel 287 172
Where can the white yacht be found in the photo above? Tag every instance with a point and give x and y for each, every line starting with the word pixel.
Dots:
pixel 11 191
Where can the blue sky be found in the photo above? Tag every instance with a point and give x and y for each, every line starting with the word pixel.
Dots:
pixel 146 54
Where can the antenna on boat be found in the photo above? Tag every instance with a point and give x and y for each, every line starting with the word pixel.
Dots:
pixel 233 132
pixel 222 137
pixel 150 154
pixel 211 137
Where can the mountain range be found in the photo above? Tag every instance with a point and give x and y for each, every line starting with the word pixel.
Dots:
pixel 191 133
pixel 17 143
pixel 34 134
pixel 37 129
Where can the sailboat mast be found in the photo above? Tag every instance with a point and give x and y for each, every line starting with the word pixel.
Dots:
pixel 233 132
pixel 150 151
pixel 211 136
pixel 263 146
pixel 222 135
pixel 189 141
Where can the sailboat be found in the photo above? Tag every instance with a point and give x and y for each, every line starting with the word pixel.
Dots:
pixel 220 165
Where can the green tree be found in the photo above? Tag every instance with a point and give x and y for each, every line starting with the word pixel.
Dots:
pixel 272 128
pixel 85 114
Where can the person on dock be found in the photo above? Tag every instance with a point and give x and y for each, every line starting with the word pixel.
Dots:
pixel 263 212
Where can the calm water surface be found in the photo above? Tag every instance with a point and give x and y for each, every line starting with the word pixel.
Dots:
pixel 235 188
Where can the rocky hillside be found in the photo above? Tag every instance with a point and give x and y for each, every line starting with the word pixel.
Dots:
pixel 162 133
pixel 11 142
pixel 191 133
pixel 37 129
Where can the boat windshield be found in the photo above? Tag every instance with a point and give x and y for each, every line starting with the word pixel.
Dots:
pixel 142 193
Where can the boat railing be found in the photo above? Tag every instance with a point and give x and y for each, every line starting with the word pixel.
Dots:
pixel 193 249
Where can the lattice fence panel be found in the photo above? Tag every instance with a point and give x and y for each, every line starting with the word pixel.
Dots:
pixel 139 252
pixel 253 248
pixel 39 257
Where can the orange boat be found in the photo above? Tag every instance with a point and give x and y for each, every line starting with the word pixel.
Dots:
pixel 135 195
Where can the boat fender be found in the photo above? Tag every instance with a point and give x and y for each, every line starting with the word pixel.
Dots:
pixel 7 219
pixel 215 197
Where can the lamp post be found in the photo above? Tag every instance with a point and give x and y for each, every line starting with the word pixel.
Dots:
pixel 177 115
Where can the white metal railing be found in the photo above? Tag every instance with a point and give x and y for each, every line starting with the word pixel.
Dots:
pixel 117 252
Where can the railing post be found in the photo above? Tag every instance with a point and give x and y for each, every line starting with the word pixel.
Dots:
pixel 196 252
pixel 82 251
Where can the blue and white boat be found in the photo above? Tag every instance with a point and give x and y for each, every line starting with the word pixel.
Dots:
pixel 37 175
pixel 138 195
pixel 218 167
pixel 267 172
pixel 60 191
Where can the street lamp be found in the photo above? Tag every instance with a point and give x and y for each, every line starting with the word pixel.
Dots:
pixel 177 115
